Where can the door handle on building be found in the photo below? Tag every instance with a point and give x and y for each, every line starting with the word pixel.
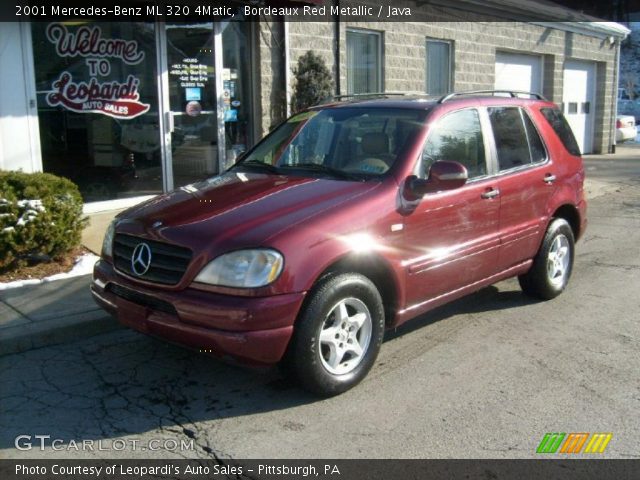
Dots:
pixel 169 124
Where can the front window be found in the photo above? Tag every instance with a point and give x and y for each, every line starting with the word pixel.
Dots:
pixel 347 142
pixel 457 137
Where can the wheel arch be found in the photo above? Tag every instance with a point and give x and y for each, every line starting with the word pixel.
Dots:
pixel 375 268
pixel 571 214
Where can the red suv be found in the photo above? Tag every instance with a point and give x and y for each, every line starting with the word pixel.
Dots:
pixel 348 219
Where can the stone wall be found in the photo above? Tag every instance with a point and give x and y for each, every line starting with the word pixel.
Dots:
pixel 474 52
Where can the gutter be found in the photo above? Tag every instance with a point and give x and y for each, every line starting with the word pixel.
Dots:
pixel 614 103
pixel 593 29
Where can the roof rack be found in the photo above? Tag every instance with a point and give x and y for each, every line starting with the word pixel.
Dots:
pixel 377 94
pixel 511 93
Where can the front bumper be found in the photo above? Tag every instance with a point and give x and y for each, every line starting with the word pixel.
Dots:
pixel 251 330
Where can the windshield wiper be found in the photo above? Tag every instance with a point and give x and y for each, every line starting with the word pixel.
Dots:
pixel 319 167
pixel 256 164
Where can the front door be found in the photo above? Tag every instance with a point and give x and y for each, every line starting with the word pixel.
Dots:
pixel 192 101
pixel 205 93
pixel 452 237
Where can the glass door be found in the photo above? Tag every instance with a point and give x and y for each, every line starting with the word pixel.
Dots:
pixel 205 93
pixel 191 119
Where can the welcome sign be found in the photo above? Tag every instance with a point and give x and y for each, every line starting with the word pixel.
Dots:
pixel 112 98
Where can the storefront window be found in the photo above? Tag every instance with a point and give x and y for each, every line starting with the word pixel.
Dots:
pixel 98 106
pixel 236 76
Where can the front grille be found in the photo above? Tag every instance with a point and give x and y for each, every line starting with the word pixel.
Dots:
pixel 141 299
pixel 168 262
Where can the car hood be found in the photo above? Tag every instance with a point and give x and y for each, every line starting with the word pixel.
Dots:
pixel 237 209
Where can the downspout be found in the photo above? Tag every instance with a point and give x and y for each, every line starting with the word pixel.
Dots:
pixel 336 53
pixel 287 67
pixel 614 104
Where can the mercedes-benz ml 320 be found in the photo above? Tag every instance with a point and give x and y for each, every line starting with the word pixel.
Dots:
pixel 349 219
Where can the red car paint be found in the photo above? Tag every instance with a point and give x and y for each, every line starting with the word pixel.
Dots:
pixel 427 251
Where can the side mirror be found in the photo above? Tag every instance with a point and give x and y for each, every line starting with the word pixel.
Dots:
pixel 443 175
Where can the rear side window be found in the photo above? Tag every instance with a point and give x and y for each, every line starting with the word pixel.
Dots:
pixel 458 137
pixel 538 153
pixel 511 137
pixel 562 129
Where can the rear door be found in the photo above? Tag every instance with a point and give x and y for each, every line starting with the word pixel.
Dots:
pixel 526 182
pixel 451 238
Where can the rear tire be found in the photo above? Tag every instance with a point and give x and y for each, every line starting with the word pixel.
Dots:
pixel 552 265
pixel 338 335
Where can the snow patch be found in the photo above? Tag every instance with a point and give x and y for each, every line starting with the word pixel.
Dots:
pixel 31 205
pixel 82 266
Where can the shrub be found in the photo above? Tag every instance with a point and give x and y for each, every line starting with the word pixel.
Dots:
pixel 313 82
pixel 40 215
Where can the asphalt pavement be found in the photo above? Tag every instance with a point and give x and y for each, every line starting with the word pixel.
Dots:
pixel 484 377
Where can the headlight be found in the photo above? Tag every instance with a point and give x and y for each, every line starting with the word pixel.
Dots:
pixel 107 243
pixel 243 269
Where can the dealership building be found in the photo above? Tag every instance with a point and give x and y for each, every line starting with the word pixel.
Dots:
pixel 130 109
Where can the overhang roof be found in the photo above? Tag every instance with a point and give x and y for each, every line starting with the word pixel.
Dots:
pixel 541 12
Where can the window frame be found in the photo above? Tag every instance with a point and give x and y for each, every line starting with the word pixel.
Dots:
pixel 491 152
pixel 494 150
pixel 488 152
pixel 450 60
pixel 379 35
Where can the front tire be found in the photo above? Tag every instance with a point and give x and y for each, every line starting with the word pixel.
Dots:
pixel 552 265
pixel 338 335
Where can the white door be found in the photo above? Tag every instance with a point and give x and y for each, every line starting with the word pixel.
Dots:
pixel 516 71
pixel 578 99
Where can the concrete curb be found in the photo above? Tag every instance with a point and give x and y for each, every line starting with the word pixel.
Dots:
pixel 22 338
pixel 50 313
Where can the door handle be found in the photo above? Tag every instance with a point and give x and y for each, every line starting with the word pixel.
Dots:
pixel 494 192
pixel 549 178
pixel 170 124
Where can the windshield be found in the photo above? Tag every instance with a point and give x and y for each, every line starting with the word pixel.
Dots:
pixel 343 142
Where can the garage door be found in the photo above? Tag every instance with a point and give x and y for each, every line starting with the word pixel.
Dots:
pixel 579 100
pixel 515 71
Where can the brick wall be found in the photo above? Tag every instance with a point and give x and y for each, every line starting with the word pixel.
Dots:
pixel 270 65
